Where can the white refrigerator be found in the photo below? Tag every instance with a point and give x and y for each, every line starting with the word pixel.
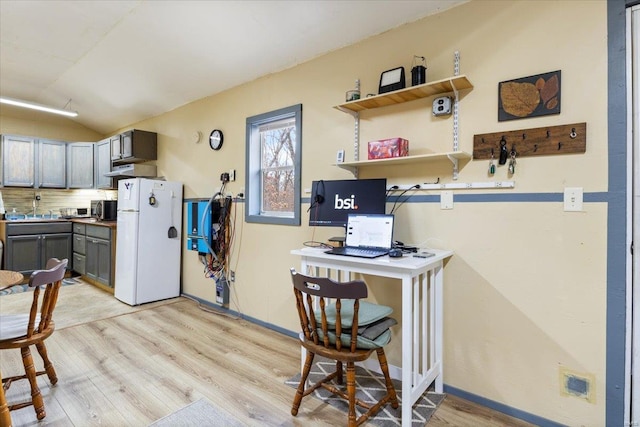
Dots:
pixel 148 240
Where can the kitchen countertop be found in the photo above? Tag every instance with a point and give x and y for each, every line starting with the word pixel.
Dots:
pixel 92 221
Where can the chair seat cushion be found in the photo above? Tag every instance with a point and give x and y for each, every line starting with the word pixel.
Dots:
pixel 373 323
pixel 361 342
pixel 367 314
pixel 373 330
pixel 15 326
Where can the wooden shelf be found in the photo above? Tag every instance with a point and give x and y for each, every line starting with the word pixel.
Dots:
pixel 453 156
pixel 412 93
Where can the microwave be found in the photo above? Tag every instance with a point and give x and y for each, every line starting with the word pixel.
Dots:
pixel 104 210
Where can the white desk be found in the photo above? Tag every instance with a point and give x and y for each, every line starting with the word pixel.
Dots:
pixel 422 280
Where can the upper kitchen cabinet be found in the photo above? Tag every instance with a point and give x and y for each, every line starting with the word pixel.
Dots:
pixel 52 163
pixel 18 161
pixel 34 163
pixel 134 146
pixel 80 165
pixel 102 164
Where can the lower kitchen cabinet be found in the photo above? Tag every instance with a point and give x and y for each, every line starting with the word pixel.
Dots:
pixel 93 254
pixel 28 246
pixel 79 248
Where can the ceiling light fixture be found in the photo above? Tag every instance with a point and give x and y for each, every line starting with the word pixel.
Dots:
pixel 39 107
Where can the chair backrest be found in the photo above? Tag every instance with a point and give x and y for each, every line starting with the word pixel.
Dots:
pixel 51 279
pixel 306 287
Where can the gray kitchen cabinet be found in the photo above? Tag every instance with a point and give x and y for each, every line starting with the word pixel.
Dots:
pixel 28 246
pixel 34 163
pixel 18 161
pixel 79 248
pixel 98 259
pixel 52 162
pixel 80 169
pixel 134 146
pixel 102 164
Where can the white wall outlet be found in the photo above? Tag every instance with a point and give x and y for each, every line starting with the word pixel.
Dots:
pixel 232 175
pixel 340 156
pixel 441 106
pixel 446 200
pixel 573 199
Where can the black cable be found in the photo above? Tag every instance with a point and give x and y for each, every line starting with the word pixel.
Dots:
pixel 317 197
pixel 414 187
pixel 392 188
pixel 314 244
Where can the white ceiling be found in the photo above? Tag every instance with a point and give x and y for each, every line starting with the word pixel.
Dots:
pixel 123 61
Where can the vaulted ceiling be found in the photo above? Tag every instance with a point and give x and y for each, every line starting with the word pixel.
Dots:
pixel 119 62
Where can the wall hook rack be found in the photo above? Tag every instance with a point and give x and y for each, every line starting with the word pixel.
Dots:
pixel 544 141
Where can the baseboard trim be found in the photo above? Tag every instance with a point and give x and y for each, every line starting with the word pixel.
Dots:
pixel 396 372
pixel 501 407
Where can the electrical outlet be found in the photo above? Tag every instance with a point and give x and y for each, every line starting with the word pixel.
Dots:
pixel 446 200
pixel 232 276
pixel 573 199
pixel 232 175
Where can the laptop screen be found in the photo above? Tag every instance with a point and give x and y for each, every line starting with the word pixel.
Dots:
pixel 372 231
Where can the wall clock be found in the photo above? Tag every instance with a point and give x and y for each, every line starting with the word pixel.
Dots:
pixel 215 139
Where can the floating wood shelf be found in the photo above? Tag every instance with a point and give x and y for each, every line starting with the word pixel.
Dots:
pixel 453 156
pixel 450 84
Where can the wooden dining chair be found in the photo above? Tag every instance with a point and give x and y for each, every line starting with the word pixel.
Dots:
pixel 348 330
pixel 24 330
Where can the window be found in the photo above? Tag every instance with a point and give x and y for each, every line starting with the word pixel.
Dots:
pixel 274 142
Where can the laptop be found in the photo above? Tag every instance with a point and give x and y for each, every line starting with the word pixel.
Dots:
pixel 368 236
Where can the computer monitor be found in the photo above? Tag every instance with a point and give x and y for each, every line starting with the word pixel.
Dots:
pixel 333 201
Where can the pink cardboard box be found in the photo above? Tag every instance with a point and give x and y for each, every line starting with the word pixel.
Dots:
pixel 387 148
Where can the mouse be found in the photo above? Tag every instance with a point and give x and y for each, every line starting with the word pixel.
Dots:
pixel 395 253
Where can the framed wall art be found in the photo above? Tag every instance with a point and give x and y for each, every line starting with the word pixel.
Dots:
pixel 531 96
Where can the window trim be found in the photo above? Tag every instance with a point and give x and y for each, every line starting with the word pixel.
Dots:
pixel 253 190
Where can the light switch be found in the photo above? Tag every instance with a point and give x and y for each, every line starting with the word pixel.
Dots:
pixel 573 199
pixel 446 200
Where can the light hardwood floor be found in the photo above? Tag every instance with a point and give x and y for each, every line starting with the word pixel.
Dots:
pixel 129 366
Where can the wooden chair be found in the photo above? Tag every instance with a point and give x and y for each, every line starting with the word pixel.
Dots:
pixel 23 330
pixel 332 331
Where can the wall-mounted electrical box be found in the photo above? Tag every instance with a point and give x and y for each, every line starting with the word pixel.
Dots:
pixel 222 291
pixel 195 236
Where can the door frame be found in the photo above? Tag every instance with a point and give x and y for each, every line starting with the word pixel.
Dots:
pixel 632 365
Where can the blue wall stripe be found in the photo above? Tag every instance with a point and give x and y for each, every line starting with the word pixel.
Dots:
pixel 616 215
pixel 595 197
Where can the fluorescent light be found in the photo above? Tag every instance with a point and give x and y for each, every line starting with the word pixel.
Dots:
pixel 38 107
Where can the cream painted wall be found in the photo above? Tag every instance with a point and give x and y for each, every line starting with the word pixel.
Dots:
pixel 525 291
pixel 14 121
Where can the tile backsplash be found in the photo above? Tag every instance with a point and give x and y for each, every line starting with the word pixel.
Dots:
pixel 51 199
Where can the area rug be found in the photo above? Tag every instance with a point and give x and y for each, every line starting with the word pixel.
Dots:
pixel 25 287
pixel 197 414
pixel 370 387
